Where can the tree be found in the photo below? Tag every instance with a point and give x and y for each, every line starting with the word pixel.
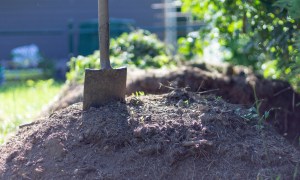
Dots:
pixel 292 6
pixel 257 33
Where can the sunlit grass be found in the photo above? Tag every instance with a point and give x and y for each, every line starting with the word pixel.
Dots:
pixel 21 102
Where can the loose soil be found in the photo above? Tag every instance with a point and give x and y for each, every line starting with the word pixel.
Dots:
pixel 179 135
pixel 236 84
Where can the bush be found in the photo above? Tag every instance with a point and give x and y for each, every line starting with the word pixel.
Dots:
pixel 78 64
pixel 256 33
pixel 139 49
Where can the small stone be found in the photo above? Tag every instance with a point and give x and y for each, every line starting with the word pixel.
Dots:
pixel 55 147
pixel 76 171
pixel 39 169
pixel 80 138
pixel 87 132
pixel 106 148
pixel 148 118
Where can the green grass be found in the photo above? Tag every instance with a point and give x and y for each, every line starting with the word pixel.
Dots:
pixel 21 102
pixel 22 74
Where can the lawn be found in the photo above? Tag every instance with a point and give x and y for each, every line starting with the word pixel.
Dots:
pixel 21 102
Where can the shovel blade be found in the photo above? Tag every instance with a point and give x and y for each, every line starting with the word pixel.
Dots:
pixel 103 86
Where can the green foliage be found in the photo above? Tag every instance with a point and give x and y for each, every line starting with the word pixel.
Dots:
pixel 140 49
pixel 292 6
pixel 78 64
pixel 292 73
pixel 192 45
pixel 255 32
pixel 138 93
pixel 23 74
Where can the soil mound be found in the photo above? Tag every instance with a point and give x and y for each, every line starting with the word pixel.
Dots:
pixel 180 135
pixel 235 84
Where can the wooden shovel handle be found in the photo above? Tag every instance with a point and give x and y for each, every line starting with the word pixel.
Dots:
pixel 104 33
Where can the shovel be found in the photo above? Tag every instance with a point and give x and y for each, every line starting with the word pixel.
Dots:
pixel 107 84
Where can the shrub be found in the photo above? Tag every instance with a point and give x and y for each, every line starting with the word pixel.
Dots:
pixel 256 33
pixel 139 49
pixel 78 64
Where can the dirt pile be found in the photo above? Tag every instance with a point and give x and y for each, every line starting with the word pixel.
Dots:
pixel 180 135
pixel 235 84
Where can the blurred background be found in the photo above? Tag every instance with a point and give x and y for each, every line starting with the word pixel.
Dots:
pixel 62 29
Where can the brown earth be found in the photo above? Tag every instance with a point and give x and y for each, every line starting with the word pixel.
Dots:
pixel 180 135
pixel 234 84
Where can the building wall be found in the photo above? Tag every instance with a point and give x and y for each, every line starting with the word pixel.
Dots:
pixel 45 22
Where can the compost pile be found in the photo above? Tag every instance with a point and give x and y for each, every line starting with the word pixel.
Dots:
pixel 179 135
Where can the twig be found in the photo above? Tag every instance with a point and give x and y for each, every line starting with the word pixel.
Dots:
pixel 197 142
pixel 200 86
pixel 208 91
pixel 282 91
pixel 293 105
pixel 168 87
pixel 26 125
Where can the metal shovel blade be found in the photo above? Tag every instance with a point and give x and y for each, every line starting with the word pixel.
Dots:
pixel 103 86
